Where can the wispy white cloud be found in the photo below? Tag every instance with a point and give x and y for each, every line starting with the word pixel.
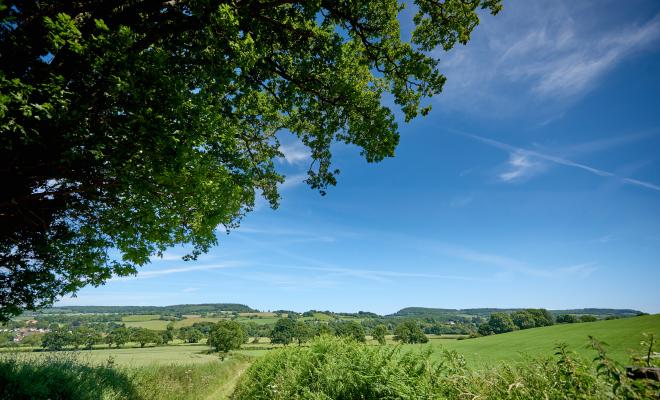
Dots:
pixel 512 265
pixel 523 167
pixel 190 290
pixel 460 201
pixel 582 271
pixel 536 53
pixel 520 166
pixel 167 256
pixel 178 256
pixel 575 66
pixel 177 270
pixel 295 153
pixel 290 235
pixel 496 260
pixel 115 299
pixel 377 274
pixel 603 239
pixel 292 181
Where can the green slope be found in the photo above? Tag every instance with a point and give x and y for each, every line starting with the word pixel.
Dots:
pixel 621 335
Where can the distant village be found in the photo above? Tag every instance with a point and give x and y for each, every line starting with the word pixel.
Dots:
pixel 19 333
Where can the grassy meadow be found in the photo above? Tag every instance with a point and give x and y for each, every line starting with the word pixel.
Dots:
pixel 154 322
pixel 77 377
pixel 136 356
pixel 622 337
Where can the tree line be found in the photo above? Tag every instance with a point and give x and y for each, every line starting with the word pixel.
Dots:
pixel 502 322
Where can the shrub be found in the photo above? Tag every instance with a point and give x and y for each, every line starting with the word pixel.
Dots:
pixel 378 333
pixel 61 377
pixel 336 368
pixel 566 319
pixel 588 318
pixel 66 376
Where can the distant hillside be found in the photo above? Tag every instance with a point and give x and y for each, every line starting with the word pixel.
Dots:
pixel 439 314
pixel 174 309
pixel 449 313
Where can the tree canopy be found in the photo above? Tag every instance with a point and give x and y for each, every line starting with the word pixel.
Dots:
pixel 128 127
pixel 409 331
pixel 283 332
pixel 226 335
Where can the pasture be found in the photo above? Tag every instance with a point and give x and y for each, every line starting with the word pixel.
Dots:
pixel 622 337
pixel 140 317
pixel 155 323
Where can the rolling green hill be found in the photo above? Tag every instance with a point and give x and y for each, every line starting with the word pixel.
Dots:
pixel 622 336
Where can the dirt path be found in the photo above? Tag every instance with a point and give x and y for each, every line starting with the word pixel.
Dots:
pixel 224 391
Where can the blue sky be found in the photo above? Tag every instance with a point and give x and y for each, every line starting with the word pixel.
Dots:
pixel 534 182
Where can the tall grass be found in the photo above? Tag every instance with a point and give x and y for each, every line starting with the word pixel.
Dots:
pixel 197 381
pixel 66 376
pixel 61 377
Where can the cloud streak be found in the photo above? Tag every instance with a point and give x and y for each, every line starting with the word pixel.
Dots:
pixel 377 274
pixel 524 166
pixel 176 270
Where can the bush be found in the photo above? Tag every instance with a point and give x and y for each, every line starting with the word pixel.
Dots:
pixel 378 333
pixel 61 377
pixel 335 368
pixel 588 318
pixel 338 368
pixel 566 319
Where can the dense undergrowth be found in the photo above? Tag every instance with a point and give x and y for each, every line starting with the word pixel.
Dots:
pixel 66 377
pixel 332 368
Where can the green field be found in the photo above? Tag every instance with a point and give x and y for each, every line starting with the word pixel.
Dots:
pixel 153 321
pixel 621 335
pixel 190 321
pixel 140 317
pixel 135 356
pixel 156 325
pixel 161 325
